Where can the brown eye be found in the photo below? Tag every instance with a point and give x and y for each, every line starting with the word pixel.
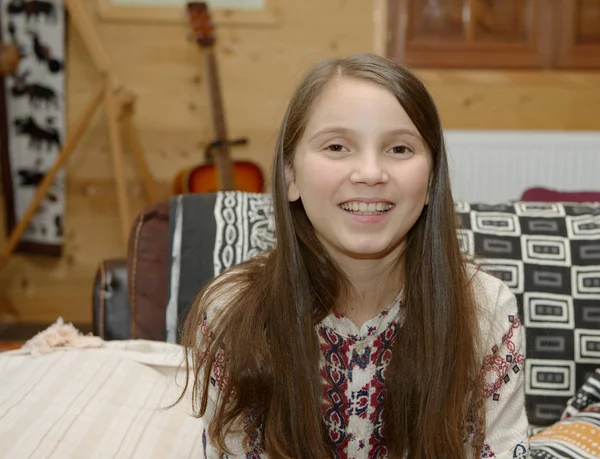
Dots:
pixel 335 147
pixel 400 149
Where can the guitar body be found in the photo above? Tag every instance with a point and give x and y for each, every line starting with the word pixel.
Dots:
pixel 247 177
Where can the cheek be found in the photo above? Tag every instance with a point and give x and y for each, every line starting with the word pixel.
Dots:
pixel 414 179
pixel 318 175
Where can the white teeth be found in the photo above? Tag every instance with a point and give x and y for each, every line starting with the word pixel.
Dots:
pixel 366 208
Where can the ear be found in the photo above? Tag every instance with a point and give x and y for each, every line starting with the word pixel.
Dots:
pixel 292 190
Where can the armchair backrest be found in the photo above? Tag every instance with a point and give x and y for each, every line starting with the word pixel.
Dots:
pixel 208 234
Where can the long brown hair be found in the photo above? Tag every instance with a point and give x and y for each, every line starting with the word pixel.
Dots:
pixel 267 329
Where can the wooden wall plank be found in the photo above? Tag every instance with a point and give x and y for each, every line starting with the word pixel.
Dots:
pixel 516 100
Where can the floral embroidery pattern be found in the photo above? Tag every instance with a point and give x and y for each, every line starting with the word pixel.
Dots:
pixel 497 369
pixel 487 451
pixel 335 386
pixel 220 369
pixel 381 358
pixel 254 437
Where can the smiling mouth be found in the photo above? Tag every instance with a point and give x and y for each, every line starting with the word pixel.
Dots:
pixel 363 208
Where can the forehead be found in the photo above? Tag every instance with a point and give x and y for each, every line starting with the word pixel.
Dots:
pixel 354 102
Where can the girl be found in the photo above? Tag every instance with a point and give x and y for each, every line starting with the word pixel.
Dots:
pixel 364 333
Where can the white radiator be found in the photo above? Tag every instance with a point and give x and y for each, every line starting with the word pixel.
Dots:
pixel 494 166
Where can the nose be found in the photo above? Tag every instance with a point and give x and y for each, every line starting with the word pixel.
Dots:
pixel 369 170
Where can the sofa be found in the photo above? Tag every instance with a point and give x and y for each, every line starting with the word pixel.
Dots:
pixel 548 253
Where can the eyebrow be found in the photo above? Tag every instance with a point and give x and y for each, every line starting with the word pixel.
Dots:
pixel 341 130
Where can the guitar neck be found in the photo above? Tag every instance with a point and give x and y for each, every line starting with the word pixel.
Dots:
pixel 218 113
pixel 223 158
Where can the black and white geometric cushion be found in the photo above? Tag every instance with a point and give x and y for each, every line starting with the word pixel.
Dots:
pixel 549 256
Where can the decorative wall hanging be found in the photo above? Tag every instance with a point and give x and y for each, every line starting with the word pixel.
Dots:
pixel 32 119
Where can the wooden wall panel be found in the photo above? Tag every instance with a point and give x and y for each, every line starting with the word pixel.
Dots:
pixel 259 68
pixel 516 100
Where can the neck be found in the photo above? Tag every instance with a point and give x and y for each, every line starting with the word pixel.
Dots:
pixel 374 285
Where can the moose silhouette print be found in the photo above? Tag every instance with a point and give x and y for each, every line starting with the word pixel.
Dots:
pixel 44 53
pixel 37 135
pixel 12 30
pixel 39 95
pixel 58 225
pixel 32 8
pixel 30 177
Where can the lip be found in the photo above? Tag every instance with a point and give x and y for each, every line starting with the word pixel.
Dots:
pixel 369 219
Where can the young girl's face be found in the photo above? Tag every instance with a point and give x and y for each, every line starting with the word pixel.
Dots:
pixel 361 169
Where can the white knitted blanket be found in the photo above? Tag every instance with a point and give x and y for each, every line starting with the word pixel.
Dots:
pixel 61 401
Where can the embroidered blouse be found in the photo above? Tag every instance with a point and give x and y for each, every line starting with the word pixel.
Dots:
pixel 353 365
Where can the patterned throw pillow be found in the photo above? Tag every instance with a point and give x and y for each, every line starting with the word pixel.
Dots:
pixel 577 434
pixel 549 256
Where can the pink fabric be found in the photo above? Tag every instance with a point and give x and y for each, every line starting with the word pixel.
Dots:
pixel 61 335
pixel 540 194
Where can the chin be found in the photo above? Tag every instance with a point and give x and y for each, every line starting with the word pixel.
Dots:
pixel 368 253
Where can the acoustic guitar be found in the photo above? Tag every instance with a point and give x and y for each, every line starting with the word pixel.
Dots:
pixel 219 172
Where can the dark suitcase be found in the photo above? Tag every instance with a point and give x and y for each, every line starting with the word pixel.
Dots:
pixel 111 312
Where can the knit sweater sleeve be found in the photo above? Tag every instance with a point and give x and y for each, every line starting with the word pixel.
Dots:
pixel 236 440
pixel 503 372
